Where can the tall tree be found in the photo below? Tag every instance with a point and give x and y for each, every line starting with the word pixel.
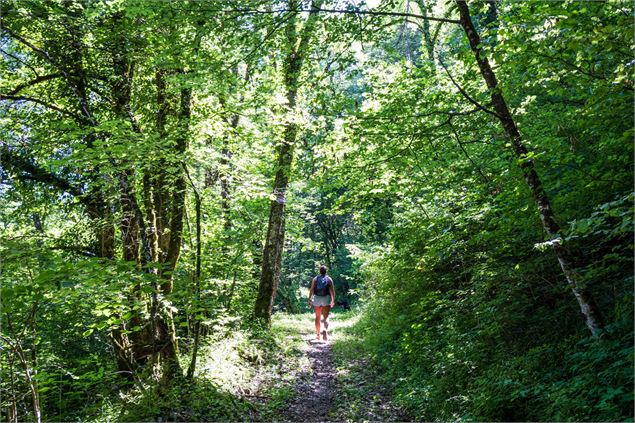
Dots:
pixel 297 43
pixel 585 299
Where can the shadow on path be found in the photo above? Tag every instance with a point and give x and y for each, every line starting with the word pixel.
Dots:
pixel 315 393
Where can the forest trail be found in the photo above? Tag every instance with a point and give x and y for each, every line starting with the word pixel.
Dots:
pixel 336 381
pixel 315 393
pixel 174 173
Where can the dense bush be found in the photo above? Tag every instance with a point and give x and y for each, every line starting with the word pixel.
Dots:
pixel 481 334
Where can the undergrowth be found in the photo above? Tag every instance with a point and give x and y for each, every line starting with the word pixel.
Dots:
pixel 241 375
pixel 363 390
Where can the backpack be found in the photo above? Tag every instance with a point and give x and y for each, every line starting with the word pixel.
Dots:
pixel 322 285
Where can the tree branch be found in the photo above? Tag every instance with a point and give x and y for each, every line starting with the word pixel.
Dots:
pixel 449 113
pixel 336 11
pixel 48 58
pixel 27 43
pixel 458 140
pixel 27 170
pixel 267 36
pixel 34 82
pixel 17 59
pixel 465 94
pixel 43 103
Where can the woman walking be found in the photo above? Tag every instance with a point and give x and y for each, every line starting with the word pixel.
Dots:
pixel 322 295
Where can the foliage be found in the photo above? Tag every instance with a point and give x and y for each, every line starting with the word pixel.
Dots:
pixel 119 119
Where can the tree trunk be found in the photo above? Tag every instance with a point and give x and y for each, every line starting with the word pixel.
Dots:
pixel 177 206
pixel 101 219
pixel 71 64
pixel 427 34
pixel 166 331
pixel 274 241
pixel 197 282
pixel 226 179
pixel 160 195
pixel 156 339
pixel 586 301
pixel 256 258
pixel 121 92
pixel 129 224
pixel 151 217
pixel 224 171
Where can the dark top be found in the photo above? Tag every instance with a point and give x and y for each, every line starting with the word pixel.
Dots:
pixel 322 285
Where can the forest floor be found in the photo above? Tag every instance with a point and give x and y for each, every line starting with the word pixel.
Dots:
pixel 286 376
pixel 334 381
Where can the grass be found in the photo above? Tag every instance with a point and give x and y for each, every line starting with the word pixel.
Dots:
pixel 363 394
pixel 241 377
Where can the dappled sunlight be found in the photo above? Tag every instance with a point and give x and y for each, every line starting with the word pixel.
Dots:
pixel 183 183
pixel 229 363
pixel 304 324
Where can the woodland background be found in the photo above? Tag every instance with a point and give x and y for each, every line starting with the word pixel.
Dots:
pixel 172 172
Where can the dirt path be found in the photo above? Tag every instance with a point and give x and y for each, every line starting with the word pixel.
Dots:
pixel 332 380
pixel 316 390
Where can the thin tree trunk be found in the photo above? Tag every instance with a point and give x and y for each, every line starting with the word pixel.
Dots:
pixel 492 13
pixel 160 194
pixel 105 231
pixel 177 210
pixel 225 186
pixel 427 35
pixel 71 65
pixel 230 295
pixel 256 258
pixel 586 301
pixel 151 217
pixel 13 407
pixel 121 91
pixel 35 397
pixel 197 281
pixel 129 224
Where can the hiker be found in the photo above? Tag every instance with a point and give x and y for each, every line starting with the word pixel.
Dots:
pixel 322 295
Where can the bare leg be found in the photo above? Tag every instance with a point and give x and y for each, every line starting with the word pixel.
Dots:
pixel 318 313
pixel 325 313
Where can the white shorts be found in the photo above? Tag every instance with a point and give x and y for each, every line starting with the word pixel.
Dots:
pixel 321 300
